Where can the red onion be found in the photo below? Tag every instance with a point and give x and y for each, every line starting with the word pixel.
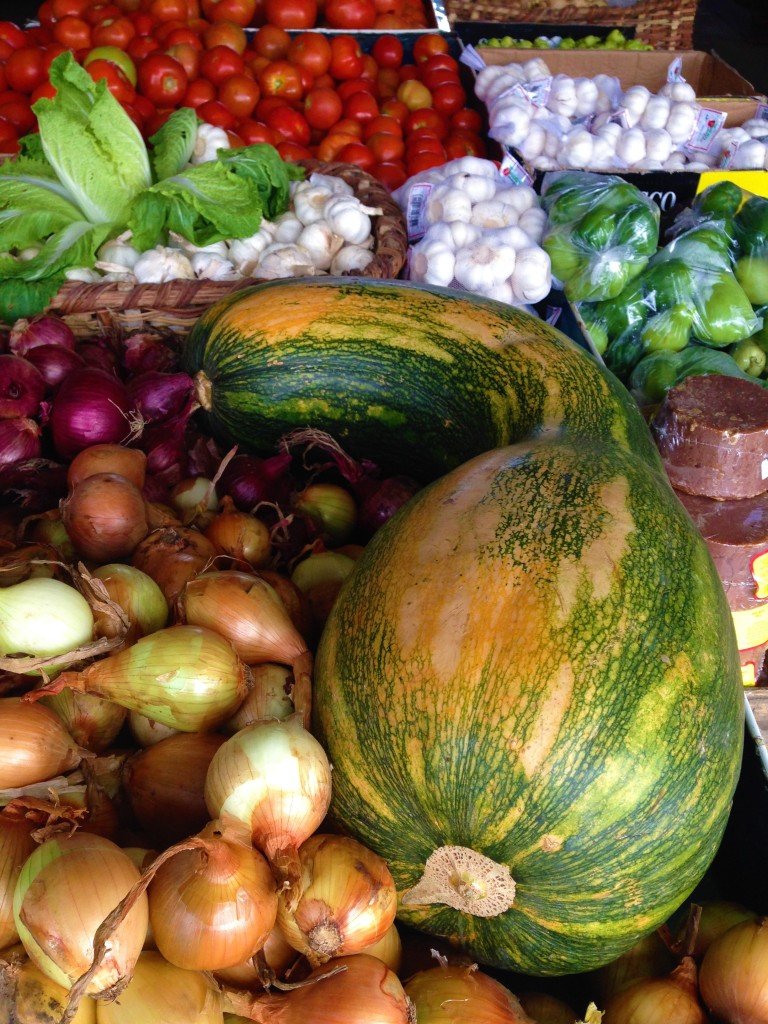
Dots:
pixel 203 454
pixel 36 484
pixel 98 353
pixel 158 395
pixel 21 387
pixel 19 440
pixel 142 352
pixel 41 330
pixel 91 407
pixel 250 480
pixel 54 363
pixel 380 499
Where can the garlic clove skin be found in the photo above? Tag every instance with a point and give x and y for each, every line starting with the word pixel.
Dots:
pixel 484 264
pixel 288 227
pixel 320 242
pixel 448 203
pixel 209 266
pixel 280 261
pixel 533 222
pixel 493 214
pixel 161 264
pixel 332 182
pixel 532 276
pixel 350 259
pixel 432 261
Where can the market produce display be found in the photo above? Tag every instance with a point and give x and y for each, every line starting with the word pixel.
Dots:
pixel 613 40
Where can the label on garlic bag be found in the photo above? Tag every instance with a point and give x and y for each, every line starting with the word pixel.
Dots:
pixel 728 155
pixel 512 169
pixel 619 117
pixel 675 70
pixel 761 114
pixel 706 126
pixel 416 209
pixel 472 58
pixel 537 91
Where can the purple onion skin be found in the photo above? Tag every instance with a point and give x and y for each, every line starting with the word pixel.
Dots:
pixel 91 407
pixel 250 480
pixel 143 352
pixel 158 395
pixel 381 499
pixel 22 387
pixel 40 330
pixel 19 440
pixel 54 363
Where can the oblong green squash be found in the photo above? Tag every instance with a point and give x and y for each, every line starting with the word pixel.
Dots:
pixel 532 674
pixel 417 379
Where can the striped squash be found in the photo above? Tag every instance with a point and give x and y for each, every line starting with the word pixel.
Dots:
pixel 417 379
pixel 529 690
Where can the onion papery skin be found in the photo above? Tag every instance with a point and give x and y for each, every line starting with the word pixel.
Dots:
pixel 449 994
pixel 92 406
pixel 38 1000
pixel 22 387
pixel 138 596
pixel 366 991
pixel 213 907
pixel 92 722
pixel 275 778
pixel 733 978
pixel 251 481
pixel 147 732
pixel 27 334
pixel 28 561
pixel 130 463
pixel 269 697
pixel 276 952
pixel 187 677
pixel 240 535
pixel 172 555
pixel 389 948
pixel 160 993
pixel 649 957
pixel 717 917
pixel 547 1009
pixel 105 516
pixel 348 899
pixel 164 785
pixel 16 844
pixel 34 744
pixel 90 873
pixel 158 395
pixel 673 999
pixel 19 440
pixel 43 617
pixel 54 363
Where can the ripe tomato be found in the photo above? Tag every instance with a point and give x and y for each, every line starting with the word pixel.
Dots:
pixel 426 119
pixel 389 8
pixel 414 95
pixel 225 33
pixel 72 32
pixel 322 108
pixel 144 23
pixel 293 151
pixel 289 125
pixel 310 50
pixel 25 68
pixel 357 153
pixel 251 132
pixel 382 123
pixel 117 56
pixel 9 137
pixel 448 98
pixel 439 76
pixel 214 112
pixel 117 83
pixel 391 173
pixel 219 63
pixel 281 78
pixel 162 79
pixel 188 56
pixel 408 72
pixel 428 44
pixel 177 36
pixel 272 42
pixel 423 161
pixel 291 13
pixel 198 92
pixel 350 86
pixel 346 57
pixel 267 103
pixel 467 119
pixel 351 15
pixel 169 10
pixel 156 120
pixel 439 60
pixel 12 34
pixel 387 51
pixel 395 108
pixel 387 82
pixel 361 106
pixel 390 22
pixel 113 32
pixel 239 94
pixel 95 13
pixel 141 47
pixel 239 11
pixel 385 146
pixel 464 143
pixel 329 148
pixel 17 110
pixel 44 89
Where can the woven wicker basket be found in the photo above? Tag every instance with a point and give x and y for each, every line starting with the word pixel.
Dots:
pixel 665 24
pixel 91 309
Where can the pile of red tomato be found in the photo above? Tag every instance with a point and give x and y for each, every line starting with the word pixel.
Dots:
pixel 254 68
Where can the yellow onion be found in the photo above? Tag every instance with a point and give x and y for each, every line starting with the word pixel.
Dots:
pixel 348 899
pixel 275 778
pixel 90 875
pixel 160 993
pixel 717 916
pixel 277 956
pixel 331 508
pixel 91 721
pixel 270 697
pixel 187 677
pixel 649 957
pixel 173 554
pixel 240 535
pixel 672 999
pixel 448 994
pixel 164 785
pixel 105 517
pixel 16 844
pixel 47 528
pixel 38 1000
pixel 294 601
pixel 146 731
pixel 733 978
pixel 320 576
pixel 212 905
pixel 27 561
pixel 547 1009
pixel 389 948
pixel 137 595
pixel 43 617
pixel 130 463
pixel 351 989
pixel 34 744
pixel 246 610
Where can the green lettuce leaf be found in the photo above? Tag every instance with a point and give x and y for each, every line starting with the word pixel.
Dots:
pixel 173 143
pixel 263 165
pixel 73 245
pixel 205 203
pixel 92 144
pixel 27 298
pixel 31 208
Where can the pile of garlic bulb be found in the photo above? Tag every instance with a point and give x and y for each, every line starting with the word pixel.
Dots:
pixel 555 121
pixel 745 148
pixel 475 230
pixel 326 230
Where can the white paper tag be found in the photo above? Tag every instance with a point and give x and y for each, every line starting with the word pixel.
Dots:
pixel 708 123
pixel 415 214
pixel 512 169
pixel 675 70
pixel 472 58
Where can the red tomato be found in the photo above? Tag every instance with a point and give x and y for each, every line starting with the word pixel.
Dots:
pixel 214 112
pixel 448 98
pixel 72 32
pixel 439 60
pixel 144 23
pixel 44 89
pixel 351 15
pixel 188 56
pixel 423 161
pixel 12 34
pixel 144 107
pixel 428 44
pixel 162 79
pixel 289 125
pixel 395 108
pixel 117 83
pixel 291 13
pixel 113 32
pixel 388 8
pixel 9 137
pixel 387 51
pixel 361 106
pixel 408 72
pixel 347 126
pixel 330 147
pixel 281 78
pixel 251 131
pixel 177 36
pixel 385 146
pixel 5 50
pixel 382 123
pixel 357 153
pixel 141 47
pixel 68 8
pixel 169 10
pixel 390 22
pixel 219 63
pixel 267 103
pixel 426 119
pixel 464 143
pixel 198 92
pixel 239 94
pixel 95 13
pixel 387 82
pixel 156 120
pixel 18 111
pixel 117 56
pixel 239 11
pixel 439 76
pixel 310 50
pixel 370 68
pixel 272 42
pixel 293 151
pixel 226 33
pixel 45 13
pixel 322 108
pixel 25 68
pixel 350 86
pixel 391 174
pixel 346 57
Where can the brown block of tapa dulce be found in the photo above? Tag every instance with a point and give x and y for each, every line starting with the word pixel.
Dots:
pixel 736 533
pixel 712 434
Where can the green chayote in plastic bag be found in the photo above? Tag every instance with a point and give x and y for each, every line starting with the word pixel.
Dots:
pixel 657 372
